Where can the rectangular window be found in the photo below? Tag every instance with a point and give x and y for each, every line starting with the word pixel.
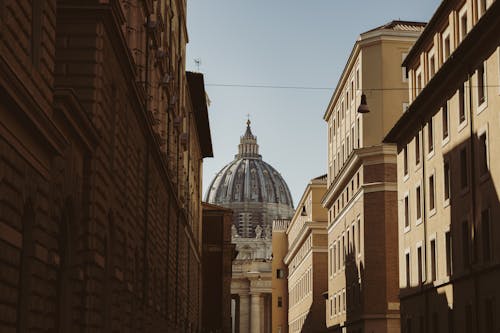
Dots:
pixel 353 239
pixel 352 136
pixel 330 261
pixel 464 181
pixel 446 48
pixel 359 134
pixel 406 212
pixel 420 264
pixel 405 160
pixel 465 243
pixel 280 273
pixel 403 68
pixel 461 103
pixel 449 252
pixel 430 136
pixel 334 258
pixel 481 82
pixel 446 176
pixel 357 79
pixel 432 191
pixel 445 121
pixel 359 235
pixel 343 300
pixel 463 26
pixel 343 250
pixel 335 304
pixel 432 66
pixel 419 205
pixel 483 154
pixel 433 260
pixel 407 260
pixel 280 301
pixel 419 83
pixel 417 149
pixel 486 233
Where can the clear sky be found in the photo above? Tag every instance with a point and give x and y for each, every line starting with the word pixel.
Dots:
pixel 280 43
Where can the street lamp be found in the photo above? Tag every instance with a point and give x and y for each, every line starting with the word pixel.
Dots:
pixel 363 107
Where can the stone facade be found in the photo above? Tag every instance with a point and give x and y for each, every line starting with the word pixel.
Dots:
pixel 102 135
pixel 448 177
pixel 279 282
pixel 361 196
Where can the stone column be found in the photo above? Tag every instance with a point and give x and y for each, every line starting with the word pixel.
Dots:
pixel 255 313
pixel 244 313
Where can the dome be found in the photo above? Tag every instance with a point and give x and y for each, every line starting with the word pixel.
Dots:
pixel 250 186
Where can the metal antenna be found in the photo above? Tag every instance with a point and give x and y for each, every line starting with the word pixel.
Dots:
pixel 197 62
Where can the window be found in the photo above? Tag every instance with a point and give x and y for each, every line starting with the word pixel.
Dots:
pixel 330 261
pixel 430 136
pixel 445 121
pixel 334 259
pixel 417 149
pixel 463 25
pixel 433 261
pixel 432 191
pixel 432 66
pixel 486 232
pixel 481 82
pixel 357 78
pixel 343 300
pixel 338 254
pixel 406 212
pixel 418 84
pixel 359 235
pixel 446 48
pixel 335 304
pixel 407 260
pixel 465 243
pixel 280 302
pixel 464 181
pixel 280 273
pixel 449 252
pixel 405 161
pixel 420 263
pixel 353 239
pixel 419 205
pixel 352 90
pixel 461 103
pixel 446 176
pixel 359 133
pixel 483 154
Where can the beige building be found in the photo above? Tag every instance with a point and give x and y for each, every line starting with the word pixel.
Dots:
pixel 306 260
pixel 279 280
pixel 448 180
pixel 361 195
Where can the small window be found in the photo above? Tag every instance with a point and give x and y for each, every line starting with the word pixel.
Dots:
pixel 280 273
pixel 447 48
pixel 419 204
pixel 481 83
pixel 430 136
pixel 483 154
pixel 359 235
pixel 465 243
pixel 446 176
pixel 405 160
pixel 404 70
pixel 407 261
pixel 486 234
pixel 464 179
pixel 406 212
pixel 463 26
pixel 461 103
pixel 432 66
pixel 432 192
pixel 417 149
pixel 448 253
pixel 433 261
pixel 420 264
pixel 445 121
pixel 280 302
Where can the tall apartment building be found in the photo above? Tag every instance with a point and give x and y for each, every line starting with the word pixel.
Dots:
pixel 102 137
pixel 306 260
pixel 448 179
pixel 361 186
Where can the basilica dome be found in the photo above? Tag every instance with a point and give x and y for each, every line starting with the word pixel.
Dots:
pixel 252 188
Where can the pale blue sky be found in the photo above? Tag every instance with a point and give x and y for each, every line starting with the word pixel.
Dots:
pixel 281 43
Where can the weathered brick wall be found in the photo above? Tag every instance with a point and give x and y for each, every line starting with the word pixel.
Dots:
pixel 94 232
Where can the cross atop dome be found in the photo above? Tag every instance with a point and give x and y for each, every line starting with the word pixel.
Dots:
pixel 248 146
